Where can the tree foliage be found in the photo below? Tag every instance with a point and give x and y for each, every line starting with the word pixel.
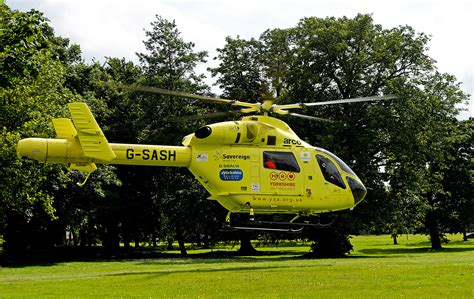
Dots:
pixel 240 70
pixel 32 92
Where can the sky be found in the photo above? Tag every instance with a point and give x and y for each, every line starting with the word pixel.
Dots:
pixel 116 28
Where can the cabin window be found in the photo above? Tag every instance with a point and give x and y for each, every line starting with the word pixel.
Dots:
pixel 284 161
pixel 330 172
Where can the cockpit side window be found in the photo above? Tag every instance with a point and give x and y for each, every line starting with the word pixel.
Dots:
pixel 330 172
pixel 341 163
pixel 284 161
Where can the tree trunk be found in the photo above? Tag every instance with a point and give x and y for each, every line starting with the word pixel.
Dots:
pixel 153 235
pixel 435 239
pixel 111 241
pixel 137 238
pixel 75 239
pixel 206 242
pixel 180 237
pixel 126 239
pixel 182 248
pixel 394 236
pixel 83 238
pixel 15 238
pixel 435 235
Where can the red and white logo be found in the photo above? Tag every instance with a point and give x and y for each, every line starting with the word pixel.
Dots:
pixel 282 176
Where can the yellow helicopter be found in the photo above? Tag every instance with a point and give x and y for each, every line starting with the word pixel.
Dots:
pixel 256 165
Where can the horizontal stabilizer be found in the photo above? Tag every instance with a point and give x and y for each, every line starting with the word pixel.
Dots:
pixel 64 128
pixel 87 168
pixel 92 139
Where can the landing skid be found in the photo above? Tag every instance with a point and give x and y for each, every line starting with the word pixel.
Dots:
pixel 270 226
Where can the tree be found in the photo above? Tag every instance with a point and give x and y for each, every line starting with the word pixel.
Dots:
pixel 35 64
pixel 32 93
pixel 240 71
pixel 419 149
pixel 458 178
pixel 276 56
pixel 170 63
pixel 25 38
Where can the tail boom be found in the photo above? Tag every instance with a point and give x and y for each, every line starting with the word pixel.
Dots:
pixel 47 150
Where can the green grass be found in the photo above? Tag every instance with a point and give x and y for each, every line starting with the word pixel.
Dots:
pixel 375 269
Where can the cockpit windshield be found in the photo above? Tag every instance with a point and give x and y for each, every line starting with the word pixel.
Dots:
pixel 341 163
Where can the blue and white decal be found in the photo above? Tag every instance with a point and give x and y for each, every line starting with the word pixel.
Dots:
pixel 231 174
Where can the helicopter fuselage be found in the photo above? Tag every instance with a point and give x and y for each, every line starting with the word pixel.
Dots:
pixel 256 163
pixel 259 162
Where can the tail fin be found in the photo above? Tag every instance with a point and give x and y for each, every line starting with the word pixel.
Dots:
pixel 92 139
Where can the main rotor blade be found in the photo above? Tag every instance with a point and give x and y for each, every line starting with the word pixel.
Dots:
pixel 353 100
pixel 157 90
pixel 254 106
pixel 204 116
pixel 311 117
pixel 343 101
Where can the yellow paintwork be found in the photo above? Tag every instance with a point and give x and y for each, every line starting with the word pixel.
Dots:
pixel 226 158
pixel 64 128
pixel 93 141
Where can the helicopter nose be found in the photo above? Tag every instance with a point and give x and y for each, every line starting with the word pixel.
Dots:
pixel 358 190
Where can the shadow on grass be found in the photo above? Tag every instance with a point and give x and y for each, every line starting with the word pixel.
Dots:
pixel 226 268
pixel 412 250
pixel 147 256
pixel 151 256
pixel 189 271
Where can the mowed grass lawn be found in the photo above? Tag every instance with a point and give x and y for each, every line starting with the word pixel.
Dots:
pixel 375 269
